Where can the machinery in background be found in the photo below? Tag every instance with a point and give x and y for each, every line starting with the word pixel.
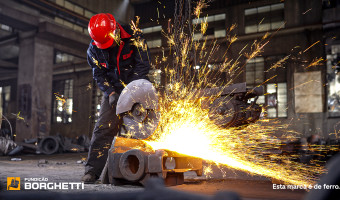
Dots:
pixel 47 145
pixel 232 105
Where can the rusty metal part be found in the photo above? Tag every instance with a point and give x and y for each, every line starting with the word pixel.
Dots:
pixel 49 145
pixel 134 161
pixel 53 144
pixel 132 165
pixel 8 147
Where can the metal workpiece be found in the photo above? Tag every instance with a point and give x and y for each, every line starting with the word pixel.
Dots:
pixel 133 161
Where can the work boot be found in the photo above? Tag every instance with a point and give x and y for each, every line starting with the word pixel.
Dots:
pixel 89 178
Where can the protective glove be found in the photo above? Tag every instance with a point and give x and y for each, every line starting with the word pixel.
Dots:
pixel 113 99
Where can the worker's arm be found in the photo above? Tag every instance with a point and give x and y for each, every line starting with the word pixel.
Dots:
pixel 100 75
pixel 141 57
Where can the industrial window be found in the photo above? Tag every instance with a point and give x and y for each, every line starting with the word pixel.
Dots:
pixel 97 96
pixel 255 71
pixel 75 8
pixel 70 25
pixel 218 33
pixel 264 18
pixel 255 75
pixel 333 79
pixel 78 10
pixel 276 100
pixel 152 29
pixel 69 5
pixel 59 2
pixel 89 14
pixel 216 24
pixel 62 57
pixel 154 43
pixel 330 3
pixel 5 27
pixel 155 76
pixel 62 101
pixel 5 94
pixel 276 92
pixel 212 18
pixel 210 66
pixel 198 36
pixel 152 35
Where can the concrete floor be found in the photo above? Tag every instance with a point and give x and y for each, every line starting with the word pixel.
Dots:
pixel 64 168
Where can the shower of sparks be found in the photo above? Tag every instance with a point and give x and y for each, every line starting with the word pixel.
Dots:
pixel 100 154
pixel 134 26
pixel 278 64
pixel 89 86
pixel 137 40
pixel 208 171
pixel 305 83
pixel 204 25
pixel 18 116
pixel 315 62
pixel 60 98
pixel 307 11
pixel 187 129
pixel 311 46
pixel 200 5
pixel 96 62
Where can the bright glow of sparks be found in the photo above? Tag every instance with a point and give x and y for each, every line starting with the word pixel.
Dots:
pixel 186 128
pixel 190 131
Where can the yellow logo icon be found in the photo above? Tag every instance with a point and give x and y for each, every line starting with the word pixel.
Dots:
pixel 13 183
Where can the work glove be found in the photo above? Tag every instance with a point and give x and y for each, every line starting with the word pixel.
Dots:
pixel 113 99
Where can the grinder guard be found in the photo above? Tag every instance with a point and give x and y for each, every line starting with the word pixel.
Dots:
pixel 137 105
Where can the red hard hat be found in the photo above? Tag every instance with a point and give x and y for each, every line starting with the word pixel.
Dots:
pixel 101 29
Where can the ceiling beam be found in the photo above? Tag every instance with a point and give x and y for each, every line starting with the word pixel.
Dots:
pixel 9 40
pixel 16 18
pixel 8 65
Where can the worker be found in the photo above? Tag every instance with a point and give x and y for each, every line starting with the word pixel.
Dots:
pixel 117 55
